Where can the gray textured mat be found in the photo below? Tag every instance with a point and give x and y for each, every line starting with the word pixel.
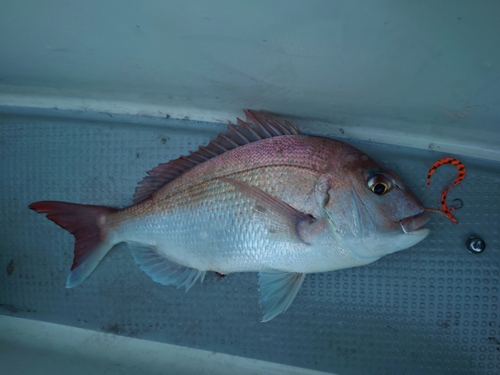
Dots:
pixel 432 309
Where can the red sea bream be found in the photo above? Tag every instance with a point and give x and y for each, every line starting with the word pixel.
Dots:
pixel 259 198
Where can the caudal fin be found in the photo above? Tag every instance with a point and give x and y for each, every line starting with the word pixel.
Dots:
pixel 86 223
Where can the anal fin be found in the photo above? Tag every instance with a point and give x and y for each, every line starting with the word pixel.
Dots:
pixel 277 291
pixel 162 270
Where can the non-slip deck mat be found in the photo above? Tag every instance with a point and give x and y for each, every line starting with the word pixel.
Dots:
pixel 432 309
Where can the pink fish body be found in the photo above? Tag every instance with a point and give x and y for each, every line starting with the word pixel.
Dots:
pixel 260 198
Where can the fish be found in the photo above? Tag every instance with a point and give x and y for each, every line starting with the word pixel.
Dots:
pixel 261 197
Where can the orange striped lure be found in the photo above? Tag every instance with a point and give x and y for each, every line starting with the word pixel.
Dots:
pixel 461 174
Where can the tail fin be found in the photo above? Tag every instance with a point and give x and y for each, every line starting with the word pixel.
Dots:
pixel 86 223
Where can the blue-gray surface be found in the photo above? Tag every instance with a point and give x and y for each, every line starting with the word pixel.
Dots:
pixel 432 309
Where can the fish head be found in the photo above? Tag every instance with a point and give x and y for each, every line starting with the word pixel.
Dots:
pixel 371 211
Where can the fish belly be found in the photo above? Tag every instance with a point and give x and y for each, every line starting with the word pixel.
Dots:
pixel 212 226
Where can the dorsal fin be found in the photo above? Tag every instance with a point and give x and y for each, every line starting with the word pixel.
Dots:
pixel 258 126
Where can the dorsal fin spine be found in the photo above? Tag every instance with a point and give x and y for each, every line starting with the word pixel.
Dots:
pixel 185 161
pixel 198 156
pixel 214 144
pixel 210 152
pixel 181 167
pixel 258 126
pixel 236 132
pixel 247 126
pixel 229 140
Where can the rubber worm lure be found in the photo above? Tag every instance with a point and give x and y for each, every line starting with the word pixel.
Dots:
pixel 461 174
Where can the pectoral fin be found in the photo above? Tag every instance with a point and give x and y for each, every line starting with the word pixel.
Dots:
pixel 277 291
pixel 162 270
pixel 284 223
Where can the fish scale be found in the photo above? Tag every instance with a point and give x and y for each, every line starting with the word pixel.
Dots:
pixel 201 209
pixel 299 151
pixel 260 198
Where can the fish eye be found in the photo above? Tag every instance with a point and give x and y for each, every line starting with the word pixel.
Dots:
pixel 379 184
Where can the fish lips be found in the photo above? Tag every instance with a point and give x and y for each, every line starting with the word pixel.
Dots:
pixel 415 222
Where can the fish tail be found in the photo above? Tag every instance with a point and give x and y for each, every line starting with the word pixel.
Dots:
pixel 87 224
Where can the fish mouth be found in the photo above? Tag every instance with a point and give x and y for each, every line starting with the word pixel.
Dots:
pixel 415 222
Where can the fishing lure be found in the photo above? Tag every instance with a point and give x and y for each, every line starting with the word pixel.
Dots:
pixel 461 174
